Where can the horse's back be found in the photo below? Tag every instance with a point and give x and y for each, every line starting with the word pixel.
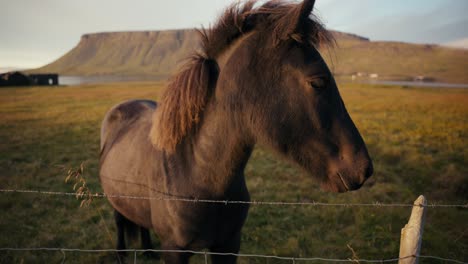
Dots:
pixel 120 117
pixel 126 155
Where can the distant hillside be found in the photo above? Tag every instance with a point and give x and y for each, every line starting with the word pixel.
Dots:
pixel 144 53
pixel 157 54
pixel 400 61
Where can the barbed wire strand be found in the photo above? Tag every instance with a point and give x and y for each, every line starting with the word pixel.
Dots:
pixel 195 200
pixel 233 254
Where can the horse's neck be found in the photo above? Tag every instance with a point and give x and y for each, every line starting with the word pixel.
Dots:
pixel 217 155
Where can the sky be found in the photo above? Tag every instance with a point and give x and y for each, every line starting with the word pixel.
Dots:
pixel 34 33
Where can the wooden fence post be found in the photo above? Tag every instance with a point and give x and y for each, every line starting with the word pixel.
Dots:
pixel 411 234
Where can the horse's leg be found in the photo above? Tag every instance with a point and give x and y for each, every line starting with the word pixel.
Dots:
pixel 230 245
pixel 145 238
pixel 175 257
pixel 146 243
pixel 120 221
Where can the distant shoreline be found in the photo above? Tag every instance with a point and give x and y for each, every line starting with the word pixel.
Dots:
pixel 78 80
pixel 416 84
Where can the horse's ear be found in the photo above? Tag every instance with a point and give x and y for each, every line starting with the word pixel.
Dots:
pixel 292 24
pixel 306 9
pixel 183 102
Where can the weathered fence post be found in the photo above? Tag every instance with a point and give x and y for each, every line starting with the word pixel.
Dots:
pixel 411 234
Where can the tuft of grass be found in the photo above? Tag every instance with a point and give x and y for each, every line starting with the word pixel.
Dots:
pixel 416 137
pixel 83 193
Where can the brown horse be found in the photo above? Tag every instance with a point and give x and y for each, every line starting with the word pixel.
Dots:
pixel 258 79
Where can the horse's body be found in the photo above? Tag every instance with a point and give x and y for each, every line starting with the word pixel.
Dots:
pixel 138 169
pixel 259 79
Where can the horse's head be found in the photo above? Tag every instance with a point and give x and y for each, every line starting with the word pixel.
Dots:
pixel 259 69
pixel 289 98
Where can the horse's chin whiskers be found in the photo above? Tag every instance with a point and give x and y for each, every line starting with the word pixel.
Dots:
pixel 343 181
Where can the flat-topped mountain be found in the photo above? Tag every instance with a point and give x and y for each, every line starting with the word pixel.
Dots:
pixel 157 54
pixel 145 53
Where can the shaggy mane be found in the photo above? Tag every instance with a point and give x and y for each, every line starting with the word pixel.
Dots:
pixel 184 100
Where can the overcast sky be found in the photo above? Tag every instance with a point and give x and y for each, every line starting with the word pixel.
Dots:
pixel 33 32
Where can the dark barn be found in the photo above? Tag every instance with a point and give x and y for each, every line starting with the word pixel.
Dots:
pixel 44 79
pixel 20 79
pixel 14 79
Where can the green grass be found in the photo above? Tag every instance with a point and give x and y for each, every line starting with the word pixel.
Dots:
pixel 417 139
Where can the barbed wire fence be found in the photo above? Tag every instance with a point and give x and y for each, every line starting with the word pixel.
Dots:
pixel 167 197
pixel 240 255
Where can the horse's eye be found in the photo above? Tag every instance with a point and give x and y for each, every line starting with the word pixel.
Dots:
pixel 319 83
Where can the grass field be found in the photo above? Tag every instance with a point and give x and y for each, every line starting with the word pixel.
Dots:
pixel 418 139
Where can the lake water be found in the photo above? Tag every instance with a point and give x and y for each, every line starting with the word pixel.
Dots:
pixel 418 84
pixel 77 80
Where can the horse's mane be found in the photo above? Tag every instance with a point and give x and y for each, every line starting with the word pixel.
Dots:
pixel 188 91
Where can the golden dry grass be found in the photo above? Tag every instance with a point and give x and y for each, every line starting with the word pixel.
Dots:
pixel 417 138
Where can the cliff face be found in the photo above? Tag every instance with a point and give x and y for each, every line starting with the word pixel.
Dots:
pixel 157 54
pixel 145 53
